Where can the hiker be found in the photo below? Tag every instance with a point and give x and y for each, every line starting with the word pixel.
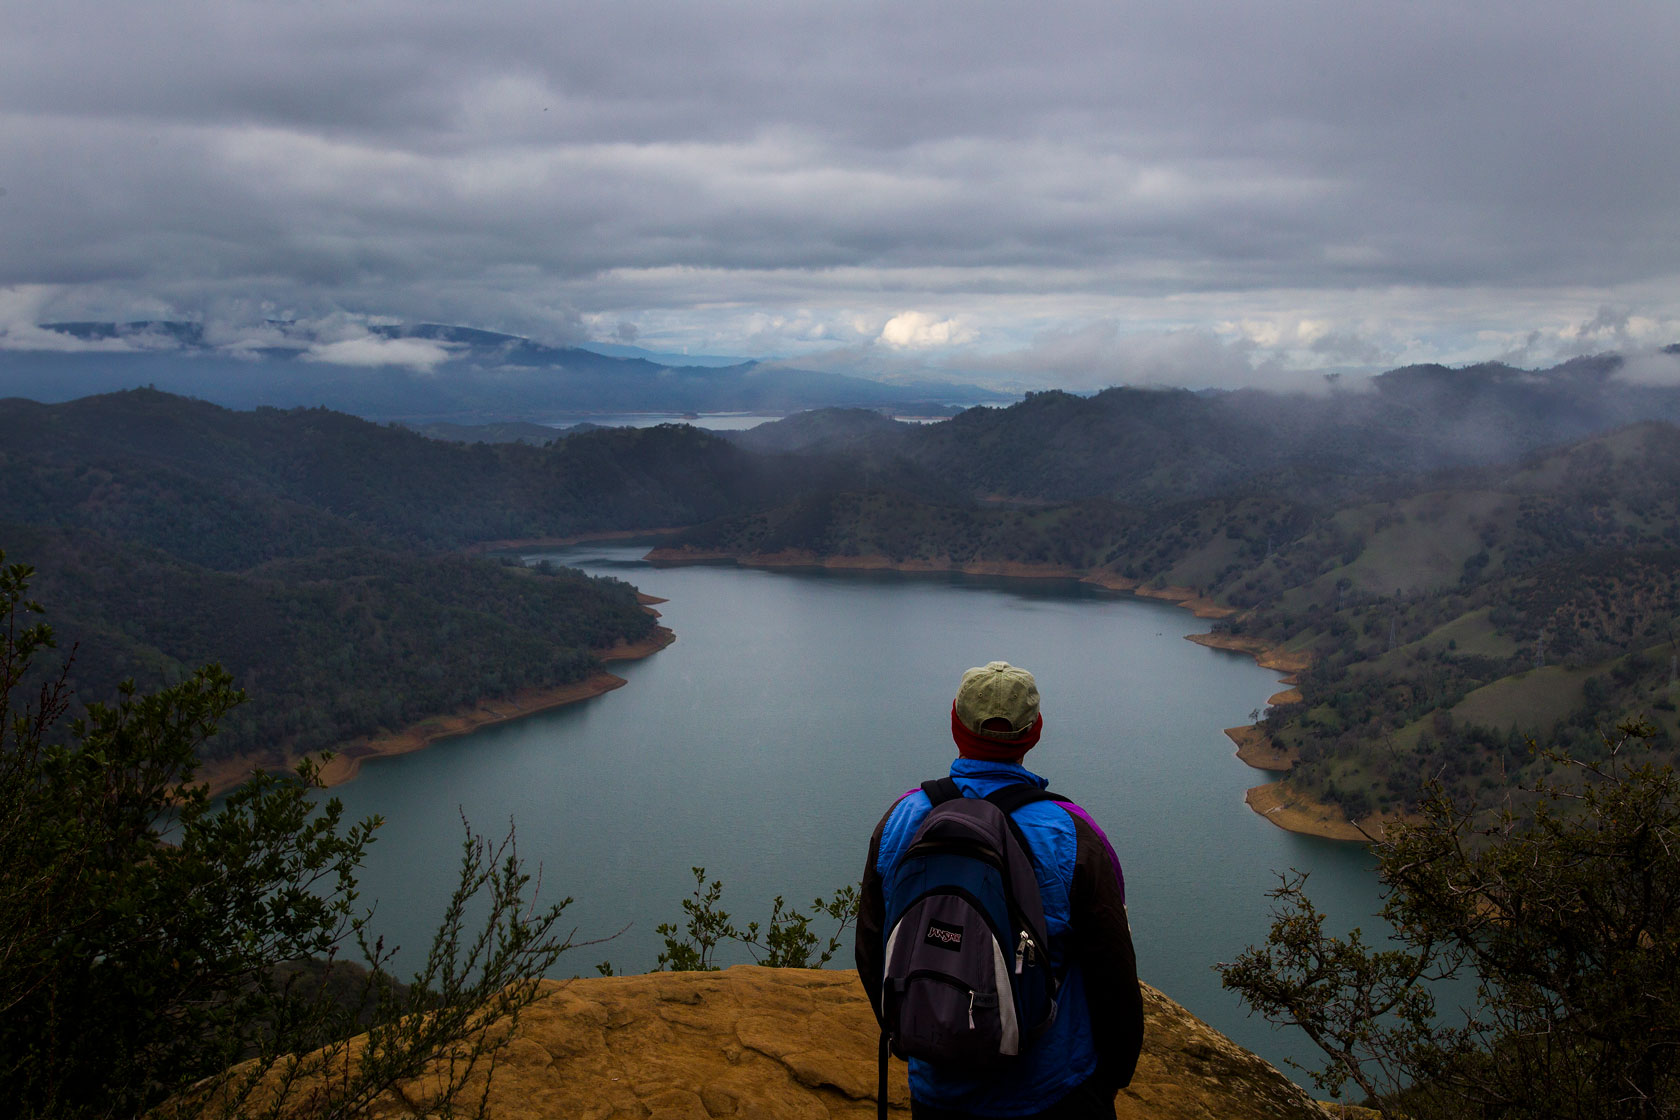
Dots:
pixel 1066 1038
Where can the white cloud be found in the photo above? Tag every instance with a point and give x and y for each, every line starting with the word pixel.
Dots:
pixel 368 350
pixel 1259 332
pixel 23 306
pixel 918 329
pixel 245 339
pixel 1652 367
pixel 1103 353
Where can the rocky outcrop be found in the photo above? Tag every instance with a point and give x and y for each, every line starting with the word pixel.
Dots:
pixel 787 1044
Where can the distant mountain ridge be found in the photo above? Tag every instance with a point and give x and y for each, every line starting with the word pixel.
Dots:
pixel 662 357
pixel 1154 446
pixel 465 375
pixel 1423 539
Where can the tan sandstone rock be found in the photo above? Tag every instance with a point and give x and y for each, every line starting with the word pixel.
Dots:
pixel 787 1044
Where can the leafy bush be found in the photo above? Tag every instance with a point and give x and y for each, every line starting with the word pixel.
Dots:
pixel 1565 909
pixel 787 941
pixel 145 932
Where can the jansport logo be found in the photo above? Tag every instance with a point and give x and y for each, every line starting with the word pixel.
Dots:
pixel 942 936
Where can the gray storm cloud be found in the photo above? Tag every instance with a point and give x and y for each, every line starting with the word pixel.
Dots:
pixel 1294 184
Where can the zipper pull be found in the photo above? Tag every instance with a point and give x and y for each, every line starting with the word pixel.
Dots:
pixel 971 1010
pixel 1021 952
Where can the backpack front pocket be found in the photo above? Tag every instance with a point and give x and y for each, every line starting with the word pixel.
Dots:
pixel 942 1019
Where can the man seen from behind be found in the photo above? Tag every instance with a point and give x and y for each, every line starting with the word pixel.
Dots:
pixel 1071 1068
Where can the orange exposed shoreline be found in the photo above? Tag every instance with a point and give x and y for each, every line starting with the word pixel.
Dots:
pixel 1288 810
pixel 1266 656
pixel 346 763
pixel 1276 801
pixel 1295 812
pixel 1258 751
pixel 348 757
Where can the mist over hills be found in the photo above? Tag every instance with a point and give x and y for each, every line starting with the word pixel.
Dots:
pixel 429 372
pixel 232 488
pixel 1423 538
pixel 1151 446
pixel 1448 603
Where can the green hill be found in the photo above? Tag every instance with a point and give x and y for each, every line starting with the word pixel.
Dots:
pixel 1425 610
pixel 1424 563
pixel 309 552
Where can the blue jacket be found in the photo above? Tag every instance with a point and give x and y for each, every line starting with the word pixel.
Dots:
pixel 1099 1024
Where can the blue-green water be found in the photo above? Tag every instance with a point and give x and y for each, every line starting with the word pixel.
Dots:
pixel 790 712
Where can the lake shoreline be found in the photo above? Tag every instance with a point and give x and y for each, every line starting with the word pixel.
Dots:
pixel 1186 597
pixel 484 547
pixel 1299 814
pixel 1277 803
pixel 1282 807
pixel 348 757
pixel 223 775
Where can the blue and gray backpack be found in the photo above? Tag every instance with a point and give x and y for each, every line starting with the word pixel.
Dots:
pixel 968 976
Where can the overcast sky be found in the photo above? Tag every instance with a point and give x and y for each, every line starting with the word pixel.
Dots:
pixel 1049 193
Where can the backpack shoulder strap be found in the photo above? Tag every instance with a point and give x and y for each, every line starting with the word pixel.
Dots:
pixel 942 789
pixel 1011 798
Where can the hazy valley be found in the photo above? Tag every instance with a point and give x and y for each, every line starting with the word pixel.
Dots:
pixel 1462 558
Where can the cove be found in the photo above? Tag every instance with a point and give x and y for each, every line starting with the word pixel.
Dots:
pixel 766 742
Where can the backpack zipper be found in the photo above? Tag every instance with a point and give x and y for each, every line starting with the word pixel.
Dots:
pixel 951 981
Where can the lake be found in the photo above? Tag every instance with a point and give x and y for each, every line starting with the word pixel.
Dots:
pixel 795 706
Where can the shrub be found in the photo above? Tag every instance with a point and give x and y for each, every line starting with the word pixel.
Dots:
pixel 151 939
pixel 1563 906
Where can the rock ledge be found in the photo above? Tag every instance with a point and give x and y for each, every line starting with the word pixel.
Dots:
pixel 792 1044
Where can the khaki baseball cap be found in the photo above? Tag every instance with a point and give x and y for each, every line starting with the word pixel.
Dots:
pixel 998 690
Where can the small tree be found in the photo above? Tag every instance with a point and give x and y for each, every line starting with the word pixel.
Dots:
pixel 143 929
pixel 1564 908
pixel 788 941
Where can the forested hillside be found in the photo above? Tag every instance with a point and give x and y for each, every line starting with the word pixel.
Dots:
pixel 235 488
pixel 1455 599
pixel 341 643
pixel 309 553
pixel 1454 624
pixel 1462 568
pixel 1154 446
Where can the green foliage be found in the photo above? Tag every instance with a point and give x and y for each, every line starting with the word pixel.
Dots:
pixel 144 930
pixel 300 550
pixel 283 544
pixel 1362 1007
pixel 339 644
pixel 786 941
pixel 1565 910
pixel 704 929
pixel 229 490
pixel 440 1036
pixel 789 941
